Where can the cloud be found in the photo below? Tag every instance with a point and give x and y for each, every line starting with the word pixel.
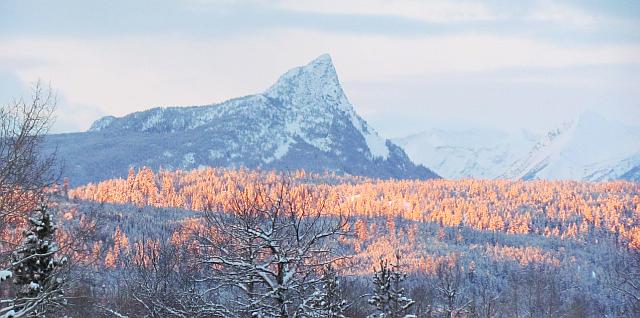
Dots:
pixel 74 117
pixel 11 87
pixel 434 12
pixel 119 75
pixel 428 11
pixel 537 99
pixel 561 13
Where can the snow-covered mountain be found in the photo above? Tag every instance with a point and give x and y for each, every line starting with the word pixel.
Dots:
pixel 590 148
pixel 473 153
pixel 633 174
pixel 303 121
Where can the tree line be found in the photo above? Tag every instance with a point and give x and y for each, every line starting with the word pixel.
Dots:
pixel 562 209
pixel 242 243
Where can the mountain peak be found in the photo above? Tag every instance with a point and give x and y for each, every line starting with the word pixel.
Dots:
pixel 304 121
pixel 318 78
pixel 324 59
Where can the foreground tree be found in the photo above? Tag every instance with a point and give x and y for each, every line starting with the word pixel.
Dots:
pixel 25 175
pixel 267 245
pixel 35 268
pixel 625 280
pixel 389 297
pixel 327 301
pixel 25 172
pixel 158 282
pixel 449 286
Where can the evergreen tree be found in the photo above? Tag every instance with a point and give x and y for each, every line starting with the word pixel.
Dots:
pixel 389 296
pixel 327 301
pixel 35 270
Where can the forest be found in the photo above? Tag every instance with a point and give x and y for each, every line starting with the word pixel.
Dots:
pixel 565 209
pixel 217 242
pixel 238 242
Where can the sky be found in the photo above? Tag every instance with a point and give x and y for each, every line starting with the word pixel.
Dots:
pixel 406 65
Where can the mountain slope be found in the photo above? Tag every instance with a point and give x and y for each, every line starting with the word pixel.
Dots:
pixel 467 153
pixel 304 121
pixel 590 148
pixel 632 175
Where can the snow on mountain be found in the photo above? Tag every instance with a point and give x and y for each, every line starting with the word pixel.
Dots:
pixel 633 174
pixel 471 153
pixel 550 145
pixel 301 88
pixel 302 121
pixel 590 148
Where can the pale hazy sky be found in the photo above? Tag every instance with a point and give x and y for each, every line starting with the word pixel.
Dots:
pixel 406 65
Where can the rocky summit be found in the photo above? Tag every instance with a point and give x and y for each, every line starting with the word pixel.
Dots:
pixel 304 121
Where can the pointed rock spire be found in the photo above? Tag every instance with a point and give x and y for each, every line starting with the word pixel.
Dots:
pixel 303 121
pixel 317 78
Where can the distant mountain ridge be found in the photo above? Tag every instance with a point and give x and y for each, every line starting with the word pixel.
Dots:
pixel 471 153
pixel 589 148
pixel 303 121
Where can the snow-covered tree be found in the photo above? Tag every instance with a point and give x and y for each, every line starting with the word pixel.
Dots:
pixel 35 269
pixel 268 245
pixel 625 279
pixel 449 286
pixel 25 170
pixel 159 283
pixel 389 297
pixel 327 301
